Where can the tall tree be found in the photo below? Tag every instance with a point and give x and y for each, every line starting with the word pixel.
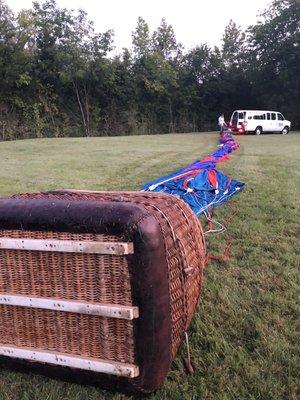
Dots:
pixel 164 40
pixel 141 38
pixel 233 45
pixel 69 49
pixel 275 61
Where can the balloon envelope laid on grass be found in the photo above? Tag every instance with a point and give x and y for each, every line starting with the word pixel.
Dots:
pixel 200 184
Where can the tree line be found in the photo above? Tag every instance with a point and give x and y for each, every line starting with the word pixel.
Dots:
pixel 58 77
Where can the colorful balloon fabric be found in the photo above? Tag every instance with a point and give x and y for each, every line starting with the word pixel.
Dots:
pixel 200 184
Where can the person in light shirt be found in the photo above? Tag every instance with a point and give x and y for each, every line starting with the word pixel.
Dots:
pixel 221 123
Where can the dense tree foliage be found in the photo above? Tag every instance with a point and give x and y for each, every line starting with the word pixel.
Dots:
pixel 58 78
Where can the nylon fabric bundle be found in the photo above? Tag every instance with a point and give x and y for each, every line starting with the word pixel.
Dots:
pixel 200 184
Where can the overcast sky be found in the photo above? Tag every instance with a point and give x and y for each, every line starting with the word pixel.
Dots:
pixel 194 21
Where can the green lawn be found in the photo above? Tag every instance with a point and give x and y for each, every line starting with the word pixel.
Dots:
pixel 243 337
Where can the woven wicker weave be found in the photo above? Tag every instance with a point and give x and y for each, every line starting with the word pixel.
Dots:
pixel 99 278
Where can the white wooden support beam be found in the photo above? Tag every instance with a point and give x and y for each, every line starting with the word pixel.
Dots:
pixel 67 246
pixel 74 306
pixel 66 360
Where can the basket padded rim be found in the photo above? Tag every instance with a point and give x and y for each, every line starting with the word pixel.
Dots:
pixel 150 273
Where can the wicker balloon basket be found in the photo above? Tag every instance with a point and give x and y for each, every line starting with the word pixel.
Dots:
pixel 99 284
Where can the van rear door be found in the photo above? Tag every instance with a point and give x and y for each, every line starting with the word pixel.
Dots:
pixel 234 120
pixel 241 118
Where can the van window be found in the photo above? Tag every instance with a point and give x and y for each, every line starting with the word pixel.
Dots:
pixel 268 116
pixel 241 115
pixel 258 117
pixel 273 115
pixel 280 117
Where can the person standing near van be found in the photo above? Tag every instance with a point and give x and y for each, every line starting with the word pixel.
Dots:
pixel 221 123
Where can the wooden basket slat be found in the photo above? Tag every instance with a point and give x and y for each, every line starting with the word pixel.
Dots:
pixel 90 364
pixel 67 246
pixel 103 310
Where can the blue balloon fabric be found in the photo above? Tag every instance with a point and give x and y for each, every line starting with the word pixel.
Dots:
pixel 200 184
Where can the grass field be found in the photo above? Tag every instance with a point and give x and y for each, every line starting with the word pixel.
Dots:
pixel 244 335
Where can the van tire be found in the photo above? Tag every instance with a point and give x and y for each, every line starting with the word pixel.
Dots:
pixel 258 130
pixel 285 130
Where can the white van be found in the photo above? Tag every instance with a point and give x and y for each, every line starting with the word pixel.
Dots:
pixel 258 121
